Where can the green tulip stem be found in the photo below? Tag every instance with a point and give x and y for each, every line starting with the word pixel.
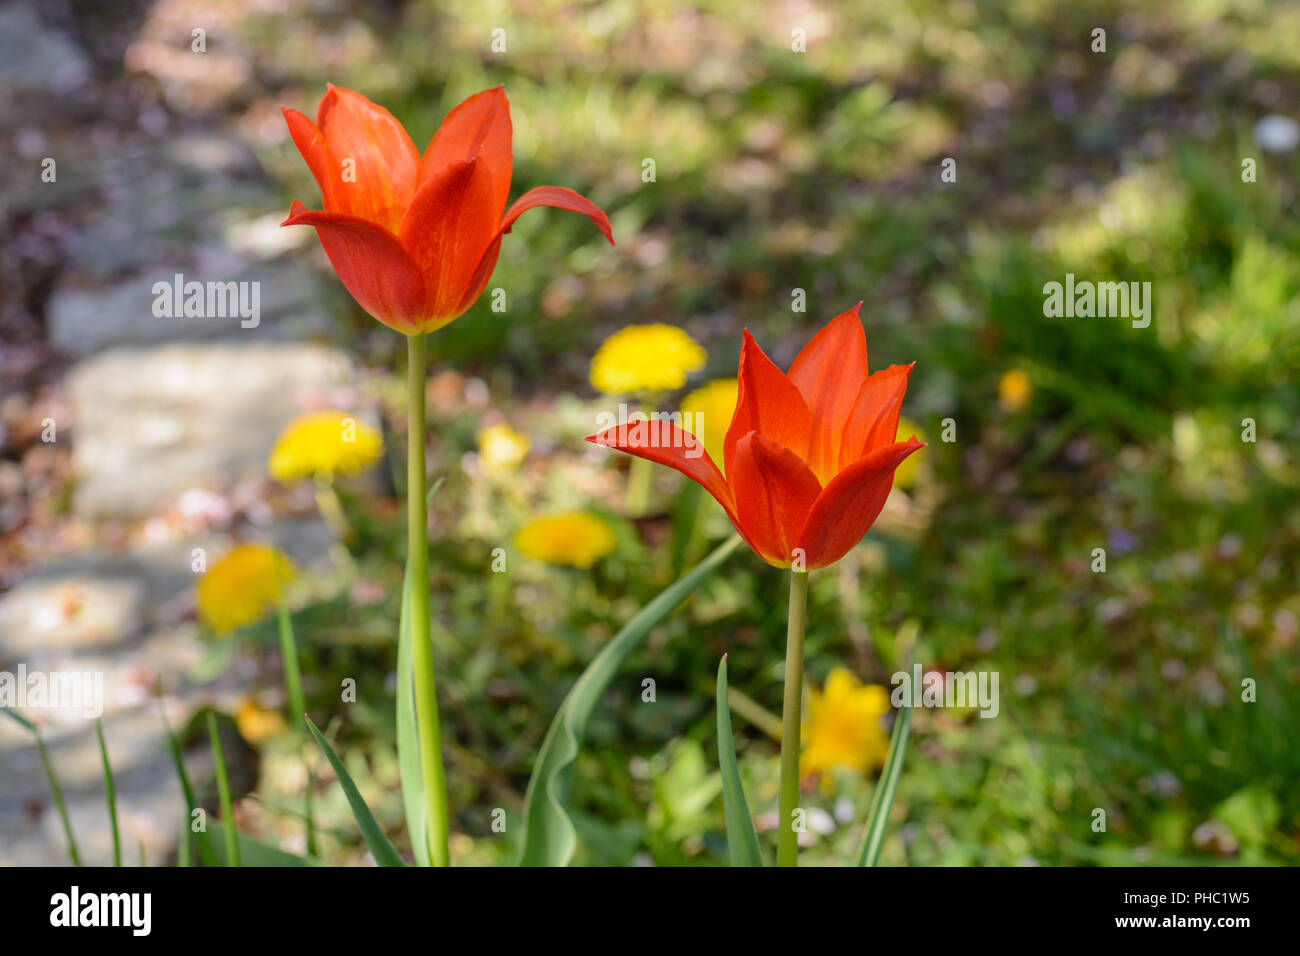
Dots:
pixel 787 844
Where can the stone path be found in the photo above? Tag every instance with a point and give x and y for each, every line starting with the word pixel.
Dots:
pixel 158 407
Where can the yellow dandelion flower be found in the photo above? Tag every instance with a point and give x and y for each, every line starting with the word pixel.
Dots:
pixel 1014 391
pixel 502 448
pixel 241 587
pixel 905 475
pixel 255 722
pixel 843 727
pixel 324 443
pixel 711 407
pixel 645 358
pixel 575 538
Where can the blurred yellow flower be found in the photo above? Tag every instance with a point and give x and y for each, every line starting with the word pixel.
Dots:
pixel 256 722
pixel 502 448
pixel 324 443
pixel 843 727
pixel 1014 391
pixel 241 587
pixel 716 403
pixel 905 474
pixel 575 538
pixel 650 358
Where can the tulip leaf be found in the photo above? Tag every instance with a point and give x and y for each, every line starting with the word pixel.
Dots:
pixel 408 740
pixel 742 840
pixel 380 848
pixel 549 835
pixel 883 799
pixel 250 851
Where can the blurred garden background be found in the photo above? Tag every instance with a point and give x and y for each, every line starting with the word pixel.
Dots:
pixel 742 177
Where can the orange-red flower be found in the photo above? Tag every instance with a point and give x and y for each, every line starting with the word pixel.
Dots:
pixel 415 238
pixel 809 456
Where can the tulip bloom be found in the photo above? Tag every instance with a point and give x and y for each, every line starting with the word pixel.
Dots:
pixel 415 238
pixel 809 457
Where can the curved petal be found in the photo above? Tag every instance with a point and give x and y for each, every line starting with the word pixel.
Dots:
pixel 385 165
pixel 850 504
pixel 480 126
pixel 311 144
pixel 767 402
pixel 559 198
pixel 774 492
pixel 874 421
pixel 666 444
pixel 829 372
pixel 446 230
pixel 372 265
pixel 482 273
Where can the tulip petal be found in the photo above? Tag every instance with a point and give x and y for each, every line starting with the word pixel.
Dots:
pixel 829 372
pixel 766 402
pixel 850 504
pixel 674 447
pixel 559 198
pixel 774 493
pixel 385 164
pixel 447 229
pixel 482 273
pixel 372 265
pixel 311 144
pixel 480 126
pixel 874 421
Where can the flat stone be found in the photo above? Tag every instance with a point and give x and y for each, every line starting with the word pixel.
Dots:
pixel 153 422
pixel 84 321
pixel 53 614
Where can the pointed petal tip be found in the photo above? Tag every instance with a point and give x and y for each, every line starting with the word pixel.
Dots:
pixel 296 209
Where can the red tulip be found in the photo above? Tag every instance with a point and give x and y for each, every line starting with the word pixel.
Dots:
pixel 809 456
pixel 415 238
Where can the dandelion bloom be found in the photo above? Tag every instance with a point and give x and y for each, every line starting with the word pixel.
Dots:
pixel 843 727
pixel 711 407
pixel 255 722
pixel 574 538
pixel 324 443
pixel 502 448
pixel 415 238
pixel 1015 391
pixel 645 358
pixel 809 456
pixel 241 587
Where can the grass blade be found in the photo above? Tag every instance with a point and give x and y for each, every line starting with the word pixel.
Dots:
pixel 549 836
pixel 380 848
pixel 206 854
pixel 883 799
pixel 223 788
pixel 297 703
pixel 110 793
pixel 742 840
pixel 56 792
